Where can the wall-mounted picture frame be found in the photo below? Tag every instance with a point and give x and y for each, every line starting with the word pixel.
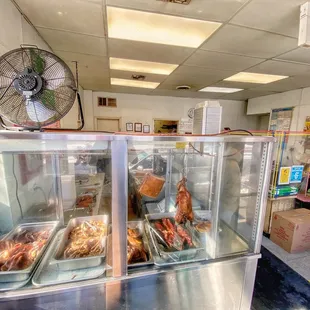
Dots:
pixel 129 126
pixel 146 129
pixel 138 127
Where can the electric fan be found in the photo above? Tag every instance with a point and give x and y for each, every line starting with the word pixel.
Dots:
pixel 36 88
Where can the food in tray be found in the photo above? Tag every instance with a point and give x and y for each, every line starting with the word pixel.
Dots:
pixel 175 236
pixel 136 252
pixel 86 239
pixel 183 203
pixel 203 227
pixel 85 201
pixel 20 252
pixel 151 185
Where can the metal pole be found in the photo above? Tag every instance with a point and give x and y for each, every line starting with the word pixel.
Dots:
pixel 263 188
pixel 216 204
pixel 168 181
pixel 58 189
pixel 119 206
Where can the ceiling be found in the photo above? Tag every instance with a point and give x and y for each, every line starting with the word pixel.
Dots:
pixel 258 36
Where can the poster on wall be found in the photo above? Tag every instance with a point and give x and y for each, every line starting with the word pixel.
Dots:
pixel 280 119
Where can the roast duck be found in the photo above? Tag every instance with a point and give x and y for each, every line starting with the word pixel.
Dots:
pixel 86 240
pixel 183 203
pixel 21 251
pixel 136 252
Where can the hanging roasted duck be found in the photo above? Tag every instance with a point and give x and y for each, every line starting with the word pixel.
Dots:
pixel 183 203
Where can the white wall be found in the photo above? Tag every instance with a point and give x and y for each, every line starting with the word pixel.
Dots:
pixel 143 109
pixel 299 99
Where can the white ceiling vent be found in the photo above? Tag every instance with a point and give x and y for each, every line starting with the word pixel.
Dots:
pixel 177 1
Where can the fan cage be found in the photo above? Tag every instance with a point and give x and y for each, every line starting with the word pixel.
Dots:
pixel 51 103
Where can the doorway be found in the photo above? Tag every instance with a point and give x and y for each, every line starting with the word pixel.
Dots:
pixel 108 124
pixel 165 126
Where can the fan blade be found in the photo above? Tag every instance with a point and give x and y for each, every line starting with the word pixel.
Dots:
pixel 38 112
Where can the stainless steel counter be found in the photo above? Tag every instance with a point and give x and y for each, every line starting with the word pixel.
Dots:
pixel 226 284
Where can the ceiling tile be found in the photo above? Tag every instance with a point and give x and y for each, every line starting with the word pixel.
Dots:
pixel 219 10
pixel 148 51
pixel 247 94
pixel 185 94
pixel 80 16
pixel 94 85
pixel 84 60
pixel 30 36
pixel 221 61
pixel 279 16
pixel 301 54
pixel 130 90
pixel 286 84
pixel 128 76
pixel 280 68
pixel 196 77
pixel 73 42
pixel 249 42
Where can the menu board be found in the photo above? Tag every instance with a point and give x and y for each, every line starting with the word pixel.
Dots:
pixel 281 119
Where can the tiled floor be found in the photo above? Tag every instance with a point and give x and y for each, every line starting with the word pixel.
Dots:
pixel 299 262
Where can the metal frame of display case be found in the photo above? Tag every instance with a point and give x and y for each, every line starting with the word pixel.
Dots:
pixel 230 271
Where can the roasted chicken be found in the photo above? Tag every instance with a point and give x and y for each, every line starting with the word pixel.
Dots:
pixel 183 203
pixel 136 252
pixel 20 252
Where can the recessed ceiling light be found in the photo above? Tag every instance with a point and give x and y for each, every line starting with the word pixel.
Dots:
pixel 157 28
pixel 249 77
pixel 133 83
pixel 141 66
pixel 220 90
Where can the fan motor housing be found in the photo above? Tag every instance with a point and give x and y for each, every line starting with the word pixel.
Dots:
pixel 28 82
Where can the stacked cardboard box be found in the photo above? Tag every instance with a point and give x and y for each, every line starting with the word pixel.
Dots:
pixel 291 230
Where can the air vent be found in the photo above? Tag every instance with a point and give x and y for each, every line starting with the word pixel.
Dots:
pixel 107 102
pixel 177 1
pixel 138 77
pixel 183 87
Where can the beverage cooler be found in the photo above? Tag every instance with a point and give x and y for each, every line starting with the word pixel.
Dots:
pixel 131 221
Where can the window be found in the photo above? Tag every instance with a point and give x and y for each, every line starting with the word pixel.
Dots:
pixel 107 102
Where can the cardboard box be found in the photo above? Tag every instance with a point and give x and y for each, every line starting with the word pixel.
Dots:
pixel 275 205
pixel 291 230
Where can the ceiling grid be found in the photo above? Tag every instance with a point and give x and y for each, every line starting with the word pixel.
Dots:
pixel 255 36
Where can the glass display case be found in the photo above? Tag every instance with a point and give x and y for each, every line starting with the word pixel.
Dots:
pixel 103 214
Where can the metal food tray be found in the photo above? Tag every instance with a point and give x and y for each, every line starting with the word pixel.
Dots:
pixel 172 255
pixel 141 227
pixel 24 274
pixel 83 262
pixel 50 274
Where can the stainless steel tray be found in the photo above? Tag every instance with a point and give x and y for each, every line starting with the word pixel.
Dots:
pixel 83 262
pixel 140 225
pixel 172 255
pixel 50 274
pixel 23 275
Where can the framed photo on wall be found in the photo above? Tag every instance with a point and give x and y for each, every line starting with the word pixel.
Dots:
pixel 138 127
pixel 146 128
pixel 129 126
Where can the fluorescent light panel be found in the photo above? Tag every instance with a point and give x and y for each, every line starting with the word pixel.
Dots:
pixel 141 66
pixel 249 77
pixel 133 83
pixel 220 90
pixel 157 28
